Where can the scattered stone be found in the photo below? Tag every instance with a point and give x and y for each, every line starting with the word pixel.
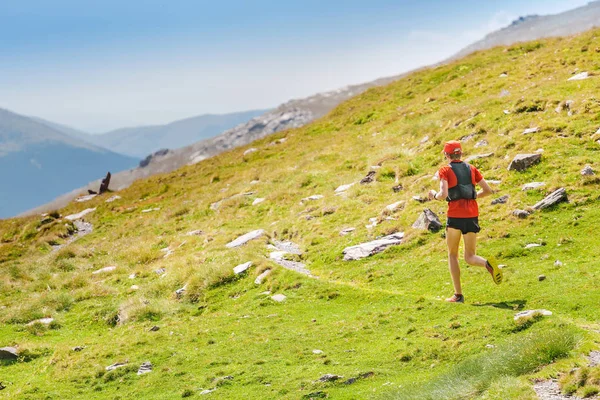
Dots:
pixel 312 198
pixel 2 387
pixel 261 278
pixel 532 186
pixel 395 206
pixel 531 130
pixel 466 138
pixel 482 143
pixel 506 112
pixel 180 292
pixel 420 199
pixel 74 217
pixel 555 197
pixel 154 329
pixel 43 321
pixel 8 353
pixel 197 232
pixel 579 77
pixel 279 297
pixel 147 210
pixel 132 276
pixel 242 240
pixel 373 223
pixel 425 139
pixel 242 268
pixel 115 366
pixel 558 263
pixel 594 358
pixel 250 151
pixel 344 188
pixel 217 204
pixel 113 198
pixel 532 245
pixel 134 287
pixel 531 313
pixel 78 348
pixel 369 178
pixel 489 346
pixel 523 161
pixel 317 351
pixel 287 247
pixel 330 378
pixel 397 188
pixel 207 391
pixel 103 270
pixel 277 256
pixel 83 199
pixel 542 278
pixel 361 376
pixel 550 390
pixel 428 220
pixel 346 231
pixel 258 200
pixel 370 248
pixel 587 171
pixel 478 156
pixel 521 214
pixel 503 75
pixel 145 368
pixel 500 200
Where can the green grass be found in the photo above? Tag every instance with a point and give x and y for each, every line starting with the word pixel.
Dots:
pixel 382 315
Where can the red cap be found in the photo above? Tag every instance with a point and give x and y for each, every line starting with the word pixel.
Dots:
pixel 452 147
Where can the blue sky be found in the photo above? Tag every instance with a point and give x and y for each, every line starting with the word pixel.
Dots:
pixel 100 65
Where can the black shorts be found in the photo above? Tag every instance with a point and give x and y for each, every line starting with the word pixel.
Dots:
pixel 465 225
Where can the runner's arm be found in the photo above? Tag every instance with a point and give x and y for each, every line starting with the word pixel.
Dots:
pixel 486 190
pixel 442 194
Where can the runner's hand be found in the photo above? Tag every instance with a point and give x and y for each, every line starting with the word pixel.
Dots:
pixel 432 194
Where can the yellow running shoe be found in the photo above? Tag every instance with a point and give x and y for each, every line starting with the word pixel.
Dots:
pixel 492 267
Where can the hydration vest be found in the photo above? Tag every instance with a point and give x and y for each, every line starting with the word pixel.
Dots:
pixel 464 189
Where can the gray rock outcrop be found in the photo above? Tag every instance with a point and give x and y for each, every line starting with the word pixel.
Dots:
pixel 523 161
pixel 428 220
pixel 370 248
pixel 553 198
pixel 8 353
pixel 242 240
pixel 500 200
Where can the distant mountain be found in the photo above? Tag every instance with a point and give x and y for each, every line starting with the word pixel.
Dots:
pixel 38 163
pixel 296 113
pixel 144 140
pixel 533 27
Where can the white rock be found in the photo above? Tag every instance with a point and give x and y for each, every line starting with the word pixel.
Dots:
pixel 151 209
pixel 132 276
pixel 395 206
pixel 313 197
pixel 242 240
pixel 207 391
pixel 558 263
pixel 279 297
pixel 83 199
pixel 113 198
pixel 258 201
pixel 80 215
pixel 579 77
pixel 197 232
pixel 44 321
pixel 506 112
pixel 531 130
pixel 250 151
pixel 288 247
pixel 532 245
pixel 277 255
pixel 242 268
pixel 503 75
pixel 115 366
pixel 9 353
pixel 317 351
pixel 344 188
pixel 370 248
pixel 529 313
pixel 261 278
pixel 373 223
pixel 346 231
pixel 103 270
pixel 425 139
pixel 145 368
pixel 532 186
pixel 587 171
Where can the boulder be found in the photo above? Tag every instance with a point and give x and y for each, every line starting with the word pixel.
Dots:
pixel 481 143
pixel 85 198
pixel 500 200
pixel 115 366
pixel 242 268
pixel 579 77
pixel 258 201
pixel 531 130
pixel 369 178
pixel 197 232
pixel 261 278
pixel 43 321
pixel 112 198
pixel 395 206
pixel 145 368
pixel 344 188
pixel 553 198
pixel 370 248
pixel 587 171
pixel 330 378
pixel 250 151
pixel 242 240
pixel 428 220
pixel 521 214
pixel 523 161
pixel 103 270
pixel 287 247
pixel 531 313
pixel 397 188
pixel 313 197
pixel 532 186
pixel 8 353
pixel 80 215
pixel 420 199
pixel 346 231
pixel 279 297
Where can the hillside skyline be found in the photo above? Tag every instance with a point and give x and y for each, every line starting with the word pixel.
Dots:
pixel 103 67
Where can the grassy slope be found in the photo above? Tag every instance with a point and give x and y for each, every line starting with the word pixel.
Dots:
pixel 382 314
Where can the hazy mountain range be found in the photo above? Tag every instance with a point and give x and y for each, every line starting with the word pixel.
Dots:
pixel 297 112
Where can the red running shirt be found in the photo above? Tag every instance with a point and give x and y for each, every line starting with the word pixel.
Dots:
pixel 463 208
